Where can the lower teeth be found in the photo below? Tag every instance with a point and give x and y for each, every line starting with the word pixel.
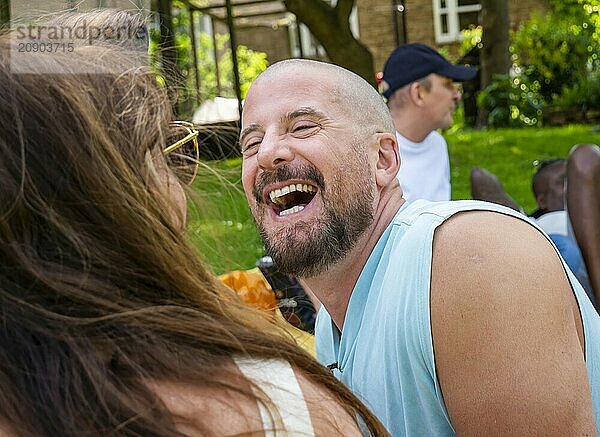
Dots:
pixel 291 210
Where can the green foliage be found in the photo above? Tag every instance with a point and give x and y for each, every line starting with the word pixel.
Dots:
pixel 511 102
pixel 554 51
pixel 446 53
pixel 584 94
pixel 470 38
pixel 154 47
pixel 592 8
pixel 251 63
pixel 206 65
pixel 555 62
pixel 586 12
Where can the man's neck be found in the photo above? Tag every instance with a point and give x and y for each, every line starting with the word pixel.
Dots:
pixel 411 127
pixel 334 287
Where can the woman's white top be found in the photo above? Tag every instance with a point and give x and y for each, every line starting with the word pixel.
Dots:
pixel 278 381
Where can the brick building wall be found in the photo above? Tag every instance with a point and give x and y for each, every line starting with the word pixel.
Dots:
pixel 274 42
pixel 419 17
pixel 521 9
pixel 376 27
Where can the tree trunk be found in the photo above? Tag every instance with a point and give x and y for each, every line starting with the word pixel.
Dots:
pixel 495 57
pixel 331 26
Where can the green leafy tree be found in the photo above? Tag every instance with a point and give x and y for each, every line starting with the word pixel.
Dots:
pixel 511 102
pixel 557 50
pixel 251 63
pixel 554 62
pixel 469 39
pixel 586 12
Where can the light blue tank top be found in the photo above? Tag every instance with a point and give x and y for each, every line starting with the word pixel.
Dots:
pixel 385 353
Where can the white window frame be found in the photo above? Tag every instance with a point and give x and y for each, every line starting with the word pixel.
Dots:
pixel 452 10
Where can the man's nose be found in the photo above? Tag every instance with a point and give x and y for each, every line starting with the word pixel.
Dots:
pixel 457 95
pixel 274 152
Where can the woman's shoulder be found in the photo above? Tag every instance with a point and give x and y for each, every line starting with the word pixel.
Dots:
pixel 280 398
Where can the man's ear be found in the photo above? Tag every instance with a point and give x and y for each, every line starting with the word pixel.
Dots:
pixel 388 160
pixel 415 93
pixel 540 199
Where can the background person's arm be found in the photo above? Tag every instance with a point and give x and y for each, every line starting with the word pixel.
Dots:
pixel 506 329
pixel 486 186
pixel 583 204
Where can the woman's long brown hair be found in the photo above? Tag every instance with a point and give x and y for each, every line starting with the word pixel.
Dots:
pixel 99 291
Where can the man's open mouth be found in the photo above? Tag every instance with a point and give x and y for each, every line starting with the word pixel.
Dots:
pixel 292 198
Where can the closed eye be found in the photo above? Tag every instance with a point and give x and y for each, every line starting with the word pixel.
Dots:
pixel 305 128
pixel 251 145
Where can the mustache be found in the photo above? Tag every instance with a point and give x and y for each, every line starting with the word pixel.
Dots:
pixel 287 172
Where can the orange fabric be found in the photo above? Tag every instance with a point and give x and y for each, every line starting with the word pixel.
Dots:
pixel 252 287
pixel 254 290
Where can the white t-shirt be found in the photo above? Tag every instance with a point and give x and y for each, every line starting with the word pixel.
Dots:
pixel 424 168
pixel 555 222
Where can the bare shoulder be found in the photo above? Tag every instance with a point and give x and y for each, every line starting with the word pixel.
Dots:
pixel 327 414
pixel 488 248
pixel 204 410
pixel 504 322
pixel 199 409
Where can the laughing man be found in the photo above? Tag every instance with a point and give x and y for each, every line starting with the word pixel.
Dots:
pixel 451 317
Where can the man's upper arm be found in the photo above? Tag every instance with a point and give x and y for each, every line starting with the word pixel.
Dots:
pixel 508 355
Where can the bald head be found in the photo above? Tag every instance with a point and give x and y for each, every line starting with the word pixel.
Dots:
pixel 362 104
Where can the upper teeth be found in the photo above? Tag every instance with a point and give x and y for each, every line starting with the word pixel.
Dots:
pixel 290 188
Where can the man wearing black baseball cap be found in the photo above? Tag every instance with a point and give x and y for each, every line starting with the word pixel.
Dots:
pixel 419 85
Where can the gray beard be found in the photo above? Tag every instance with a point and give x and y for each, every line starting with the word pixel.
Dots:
pixel 309 248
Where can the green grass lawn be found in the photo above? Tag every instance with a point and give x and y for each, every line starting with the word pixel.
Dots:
pixel 510 153
pixel 222 228
pixel 220 223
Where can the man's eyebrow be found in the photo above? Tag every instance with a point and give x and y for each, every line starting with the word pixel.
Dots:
pixel 300 112
pixel 248 130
